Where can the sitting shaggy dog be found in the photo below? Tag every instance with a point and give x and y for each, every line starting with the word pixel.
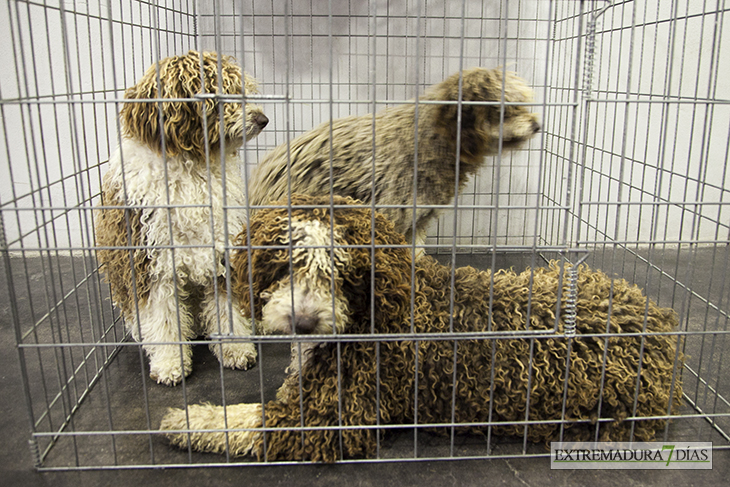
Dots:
pixel 383 169
pixel 486 382
pixel 171 177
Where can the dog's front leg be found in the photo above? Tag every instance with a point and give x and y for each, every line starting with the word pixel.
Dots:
pixel 301 354
pixel 233 423
pixel 166 317
pixel 220 318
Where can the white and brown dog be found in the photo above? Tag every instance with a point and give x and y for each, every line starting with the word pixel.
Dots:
pixel 476 113
pixel 171 201
pixel 319 272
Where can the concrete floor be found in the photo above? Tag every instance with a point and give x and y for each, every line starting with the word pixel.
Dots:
pixel 119 398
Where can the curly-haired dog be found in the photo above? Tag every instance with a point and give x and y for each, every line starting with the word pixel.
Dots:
pixel 173 177
pixel 494 379
pixel 383 169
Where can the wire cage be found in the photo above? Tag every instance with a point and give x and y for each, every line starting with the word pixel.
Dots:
pixel 629 174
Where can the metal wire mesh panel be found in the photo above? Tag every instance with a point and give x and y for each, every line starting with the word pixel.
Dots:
pixel 627 174
pixel 651 195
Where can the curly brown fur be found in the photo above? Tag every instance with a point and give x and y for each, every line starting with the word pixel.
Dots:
pixel 383 168
pixel 492 375
pixel 185 124
pixel 126 269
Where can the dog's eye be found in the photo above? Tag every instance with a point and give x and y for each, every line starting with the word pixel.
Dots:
pixel 265 295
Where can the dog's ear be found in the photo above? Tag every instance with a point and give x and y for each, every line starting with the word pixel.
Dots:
pixel 477 84
pixel 478 123
pixel 392 273
pixel 473 126
pixel 179 77
pixel 186 124
pixel 254 270
pixel 170 78
pixel 141 120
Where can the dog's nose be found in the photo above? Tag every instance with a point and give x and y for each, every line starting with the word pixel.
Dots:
pixel 536 126
pixel 262 120
pixel 305 324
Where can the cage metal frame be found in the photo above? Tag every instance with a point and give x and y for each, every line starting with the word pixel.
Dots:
pixel 77 376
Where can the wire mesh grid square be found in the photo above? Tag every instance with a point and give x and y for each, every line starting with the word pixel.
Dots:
pixel 629 173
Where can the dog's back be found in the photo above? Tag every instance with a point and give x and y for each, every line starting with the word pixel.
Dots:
pixel 500 371
pixel 376 157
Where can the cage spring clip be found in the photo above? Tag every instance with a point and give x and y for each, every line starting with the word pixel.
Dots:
pixel 571 302
pixel 591 28
pixel 590 52
pixel 35 452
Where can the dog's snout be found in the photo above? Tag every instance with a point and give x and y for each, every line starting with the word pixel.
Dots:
pixel 304 324
pixel 536 126
pixel 261 120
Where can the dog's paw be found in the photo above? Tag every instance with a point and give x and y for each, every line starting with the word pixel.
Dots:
pixel 188 428
pixel 235 355
pixel 168 371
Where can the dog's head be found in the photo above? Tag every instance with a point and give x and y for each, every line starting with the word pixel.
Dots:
pixel 194 113
pixel 304 275
pixel 502 122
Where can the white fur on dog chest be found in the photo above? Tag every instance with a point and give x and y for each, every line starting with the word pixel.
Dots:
pixel 192 192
